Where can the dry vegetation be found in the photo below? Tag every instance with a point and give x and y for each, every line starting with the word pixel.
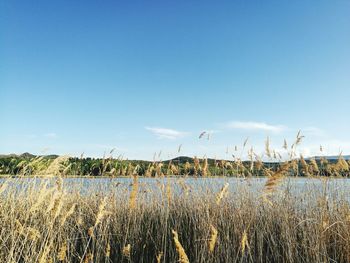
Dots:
pixel 46 220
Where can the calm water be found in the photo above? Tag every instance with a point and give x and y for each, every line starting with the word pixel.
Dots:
pixel 296 186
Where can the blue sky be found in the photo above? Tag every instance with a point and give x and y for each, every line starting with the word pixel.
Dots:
pixel 147 76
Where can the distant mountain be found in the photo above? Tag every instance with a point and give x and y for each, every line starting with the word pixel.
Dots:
pixel 177 160
pixel 8 155
pixel 180 159
pixel 330 157
pixel 27 155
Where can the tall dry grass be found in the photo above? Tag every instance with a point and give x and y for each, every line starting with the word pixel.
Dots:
pixel 48 221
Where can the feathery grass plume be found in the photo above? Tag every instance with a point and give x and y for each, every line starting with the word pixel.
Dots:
pixel 101 211
pixel 228 165
pixel 285 145
pixel 222 193
pixel 136 170
pixel 222 163
pixel 168 171
pixel 108 250
pixel 112 172
pixel 245 142
pixel 299 138
pixel 268 172
pixel 67 169
pixel 244 241
pixel 187 167
pixel 22 166
pixel 127 251
pixel 68 214
pixel 57 208
pixel 133 193
pixel 89 258
pixel 19 226
pixel 159 169
pixel 202 135
pixel 57 166
pixel 342 165
pixel 91 232
pixel 62 252
pixel 55 203
pixel 213 238
pixel 279 156
pixel 258 163
pixel 149 171
pixel 33 234
pixel 273 180
pixel 304 165
pixel 79 220
pixel 325 224
pixel 196 165
pixel 159 257
pixel 174 170
pixel 205 167
pixel 240 168
pixel 314 167
pixel 37 165
pixel 179 248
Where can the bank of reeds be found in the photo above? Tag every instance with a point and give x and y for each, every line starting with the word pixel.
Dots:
pixel 48 222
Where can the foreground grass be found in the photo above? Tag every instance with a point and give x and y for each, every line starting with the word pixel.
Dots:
pixel 48 223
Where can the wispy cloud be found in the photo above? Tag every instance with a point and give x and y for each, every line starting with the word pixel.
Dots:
pixel 255 126
pixel 313 131
pixel 51 135
pixel 164 133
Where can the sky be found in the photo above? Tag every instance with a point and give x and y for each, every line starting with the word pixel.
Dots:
pixel 145 77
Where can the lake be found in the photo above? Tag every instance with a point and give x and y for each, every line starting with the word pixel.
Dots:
pixel 333 187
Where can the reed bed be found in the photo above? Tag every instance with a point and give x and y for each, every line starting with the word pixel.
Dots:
pixel 46 221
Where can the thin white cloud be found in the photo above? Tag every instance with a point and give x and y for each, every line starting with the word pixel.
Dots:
pixel 255 126
pixel 51 135
pixel 164 133
pixel 313 131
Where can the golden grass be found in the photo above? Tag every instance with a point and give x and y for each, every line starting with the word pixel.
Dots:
pixel 179 248
pixel 46 220
pixel 213 238
pixel 49 222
